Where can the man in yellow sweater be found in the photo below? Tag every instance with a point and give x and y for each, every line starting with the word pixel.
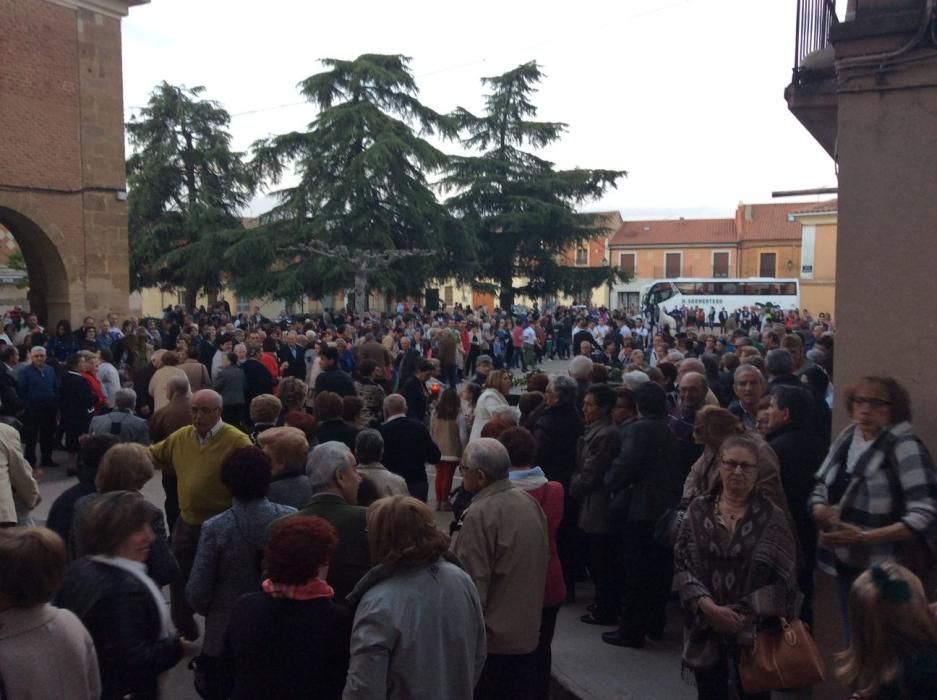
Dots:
pixel 195 453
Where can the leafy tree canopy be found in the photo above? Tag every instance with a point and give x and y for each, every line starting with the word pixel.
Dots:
pixel 520 208
pixel 186 185
pixel 362 168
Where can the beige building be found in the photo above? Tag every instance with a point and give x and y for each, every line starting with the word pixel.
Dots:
pixel 818 258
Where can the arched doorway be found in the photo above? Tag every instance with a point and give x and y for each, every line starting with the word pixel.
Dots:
pixel 49 296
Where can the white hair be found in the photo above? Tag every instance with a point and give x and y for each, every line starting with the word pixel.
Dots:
pixel 324 462
pixel 580 367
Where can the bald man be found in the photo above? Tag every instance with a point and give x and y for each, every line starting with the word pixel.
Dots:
pixel 691 389
pixel 194 454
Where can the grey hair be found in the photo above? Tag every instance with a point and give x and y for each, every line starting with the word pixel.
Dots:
pixel 580 367
pixel 634 379
pixel 125 398
pixel 324 462
pixel 696 375
pixel 369 446
pixel 779 361
pixel 488 455
pixel 394 404
pixel 564 387
pixel 749 369
pixel 755 335
pixel 37 348
pixel 510 413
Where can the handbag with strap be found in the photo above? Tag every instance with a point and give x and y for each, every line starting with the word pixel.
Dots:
pixel 783 657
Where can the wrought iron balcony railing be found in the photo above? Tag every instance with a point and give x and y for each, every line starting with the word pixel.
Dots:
pixel 812 40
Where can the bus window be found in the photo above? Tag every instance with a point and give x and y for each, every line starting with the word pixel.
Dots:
pixel 788 289
pixel 687 288
pixel 661 291
pixel 729 288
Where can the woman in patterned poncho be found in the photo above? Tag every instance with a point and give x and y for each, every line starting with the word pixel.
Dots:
pixel 735 563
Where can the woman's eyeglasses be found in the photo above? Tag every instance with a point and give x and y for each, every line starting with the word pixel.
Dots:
pixel 870 401
pixel 732 465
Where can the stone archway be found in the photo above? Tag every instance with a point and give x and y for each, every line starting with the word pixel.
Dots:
pixel 49 296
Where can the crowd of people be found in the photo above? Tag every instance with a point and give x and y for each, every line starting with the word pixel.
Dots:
pixel 293 455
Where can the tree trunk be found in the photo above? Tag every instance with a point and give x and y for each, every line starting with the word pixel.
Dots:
pixel 191 297
pixel 361 291
pixel 507 296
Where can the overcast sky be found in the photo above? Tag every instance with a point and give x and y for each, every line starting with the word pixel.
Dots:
pixel 686 95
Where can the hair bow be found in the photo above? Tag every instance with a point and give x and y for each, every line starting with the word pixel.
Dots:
pixel 892 589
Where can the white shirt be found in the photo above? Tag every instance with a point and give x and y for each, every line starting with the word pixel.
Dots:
pixel 530 336
pixel 202 441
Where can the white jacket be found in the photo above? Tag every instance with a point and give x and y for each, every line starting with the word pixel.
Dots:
pixel 16 476
pixel 490 400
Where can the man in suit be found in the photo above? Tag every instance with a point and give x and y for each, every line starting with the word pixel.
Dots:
pixel 408 446
pixel 334 478
pixel 292 357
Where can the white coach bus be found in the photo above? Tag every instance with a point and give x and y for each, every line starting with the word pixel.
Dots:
pixel 731 293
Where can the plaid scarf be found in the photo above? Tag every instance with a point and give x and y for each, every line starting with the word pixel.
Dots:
pixel 312 589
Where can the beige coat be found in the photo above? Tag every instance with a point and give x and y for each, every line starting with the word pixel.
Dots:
pixel 504 546
pixel 385 481
pixel 47 653
pixel 158 384
pixel 16 476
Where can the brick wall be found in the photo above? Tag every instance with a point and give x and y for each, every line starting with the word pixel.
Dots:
pixel 39 114
pixel 61 128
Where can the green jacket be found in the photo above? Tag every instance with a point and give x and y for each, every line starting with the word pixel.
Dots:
pixel 352 558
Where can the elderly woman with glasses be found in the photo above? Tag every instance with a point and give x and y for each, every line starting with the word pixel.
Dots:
pixel 876 492
pixel 735 560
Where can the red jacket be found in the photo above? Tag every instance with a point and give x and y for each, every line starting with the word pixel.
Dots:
pixel 550 498
pixel 100 399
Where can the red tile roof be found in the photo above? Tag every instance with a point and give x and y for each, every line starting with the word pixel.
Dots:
pixel 674 232
pixel 768 222
pixel 830 205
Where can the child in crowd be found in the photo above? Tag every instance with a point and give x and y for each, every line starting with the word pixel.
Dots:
pixel 447 427
pixel 893 653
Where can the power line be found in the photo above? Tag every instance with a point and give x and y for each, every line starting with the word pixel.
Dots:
pixel 448 69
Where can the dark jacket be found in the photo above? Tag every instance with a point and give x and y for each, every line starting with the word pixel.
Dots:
pixel 408 447
pixel 584 335
pixel 257 380
pixel 800 453
pixel 647 468
pixel 337 430
pixel 280 648
pixel 408 362
pixel 141 385
pixel 10 404
pixel 124 624
pixel 337 381
pixel 414 391
pixel 77 404
pixel 295 358
pixel 352 558
pixel 557 432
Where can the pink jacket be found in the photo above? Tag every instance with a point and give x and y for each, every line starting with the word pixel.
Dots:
pixel 550 498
